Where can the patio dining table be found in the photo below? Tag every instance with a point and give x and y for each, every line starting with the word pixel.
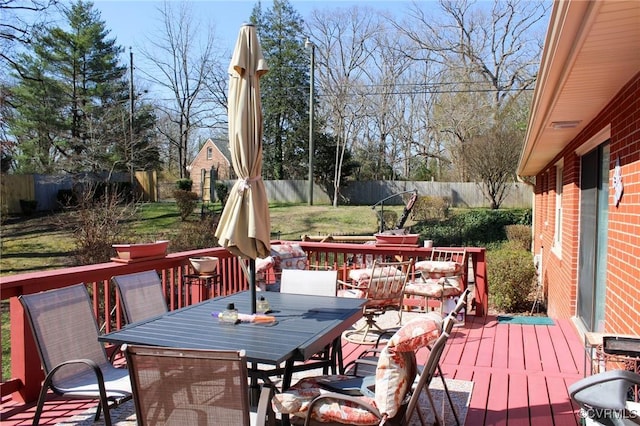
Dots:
pixel 304 326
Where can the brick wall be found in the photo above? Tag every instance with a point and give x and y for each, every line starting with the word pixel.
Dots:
pixel 560 272
pixel 217 160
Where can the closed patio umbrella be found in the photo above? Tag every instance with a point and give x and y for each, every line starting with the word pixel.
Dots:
pixel 244 227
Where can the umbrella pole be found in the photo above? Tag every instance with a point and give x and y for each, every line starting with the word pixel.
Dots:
pixel 254 389
pixel 252 284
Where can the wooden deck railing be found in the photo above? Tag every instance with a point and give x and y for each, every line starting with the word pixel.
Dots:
pixel 26 373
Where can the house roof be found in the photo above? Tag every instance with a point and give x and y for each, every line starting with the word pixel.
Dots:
pixel 222 146
pixel 591 50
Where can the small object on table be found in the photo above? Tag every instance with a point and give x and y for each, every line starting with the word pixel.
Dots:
pixel 229 315
pixel 225 316
pixel 262 305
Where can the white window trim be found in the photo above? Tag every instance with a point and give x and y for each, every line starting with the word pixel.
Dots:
pixel 557 231
pixel 209 153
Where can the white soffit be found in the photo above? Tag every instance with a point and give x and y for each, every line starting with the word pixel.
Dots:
pixel 591 51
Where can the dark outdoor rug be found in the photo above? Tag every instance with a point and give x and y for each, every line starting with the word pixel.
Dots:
pixel 508 319
pixel 460 391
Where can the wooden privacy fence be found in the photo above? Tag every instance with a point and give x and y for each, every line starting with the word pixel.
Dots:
pixel 43 189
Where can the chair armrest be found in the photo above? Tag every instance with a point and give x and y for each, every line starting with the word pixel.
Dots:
pixel 265 413
pixel 604 390
pixel 346 285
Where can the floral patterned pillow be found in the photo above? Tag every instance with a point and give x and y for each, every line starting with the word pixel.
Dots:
pixel 395 374
pixel 297 398
pixel 396 369
pixel 416 334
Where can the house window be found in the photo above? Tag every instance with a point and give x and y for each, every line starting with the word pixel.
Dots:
pixel 557 238
pixel 209 153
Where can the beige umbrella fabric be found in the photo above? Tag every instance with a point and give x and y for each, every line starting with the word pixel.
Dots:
pixel 244 227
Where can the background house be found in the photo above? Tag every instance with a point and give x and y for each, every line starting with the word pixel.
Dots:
pixel 211 160
pixel 585 121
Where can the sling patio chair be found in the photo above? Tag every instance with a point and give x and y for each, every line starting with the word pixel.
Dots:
pixel 366 362
pixel 167 392
pixel 389 397
pixel 316 283
pixel 74 362
pixel 383 286
pixel 141 295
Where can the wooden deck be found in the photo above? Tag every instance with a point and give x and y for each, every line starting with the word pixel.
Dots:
pixel 520 374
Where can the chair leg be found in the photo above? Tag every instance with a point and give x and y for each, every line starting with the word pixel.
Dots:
pixel 446 391
pixel 40 406
pixel 365 330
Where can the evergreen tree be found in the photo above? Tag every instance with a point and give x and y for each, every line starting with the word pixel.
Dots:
pixel 285 91
pixel 71 99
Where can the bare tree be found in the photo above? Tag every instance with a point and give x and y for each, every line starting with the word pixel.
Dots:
pixel 18 18
pixel 185 59
pixel 484 57
pixel 490 157
pixel 345 42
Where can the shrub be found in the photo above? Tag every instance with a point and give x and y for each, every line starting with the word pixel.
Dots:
pixel 431 208
pixel 99 225
pixel 511 279
pixel 186 202
pixel 476 227
pixel 222 192
pixel 184 184
pixel 196 235
pixel 390 218
pixel 520 235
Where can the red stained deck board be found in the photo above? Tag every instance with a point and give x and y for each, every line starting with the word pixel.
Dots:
pixel 472 345
pixel 497 401
pixel 532 361
pixel 561 407
pixel 479 398
pixel 565 359
pixel 518 401
pixel 548 355
pixel 516 347
pixel 501 347
pixel 539 405
pixel 487 347
pixel 576 346
pixel 455 345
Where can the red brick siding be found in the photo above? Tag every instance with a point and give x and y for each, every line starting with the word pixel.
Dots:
pixel 218 161
pixel 560 274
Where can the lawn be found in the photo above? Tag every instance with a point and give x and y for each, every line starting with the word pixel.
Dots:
pixel 42 242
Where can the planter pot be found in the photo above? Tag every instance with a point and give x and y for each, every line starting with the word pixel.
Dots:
pixel 143 251
pixel 401 239
pixel 204 265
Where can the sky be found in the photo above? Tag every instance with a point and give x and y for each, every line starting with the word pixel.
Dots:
pixel 134 22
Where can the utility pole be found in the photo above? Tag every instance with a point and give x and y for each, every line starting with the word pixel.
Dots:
pixel 131 171
pixel 310 44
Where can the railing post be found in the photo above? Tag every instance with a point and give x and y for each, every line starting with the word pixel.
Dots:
pixel 25 361
pixel 481 282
